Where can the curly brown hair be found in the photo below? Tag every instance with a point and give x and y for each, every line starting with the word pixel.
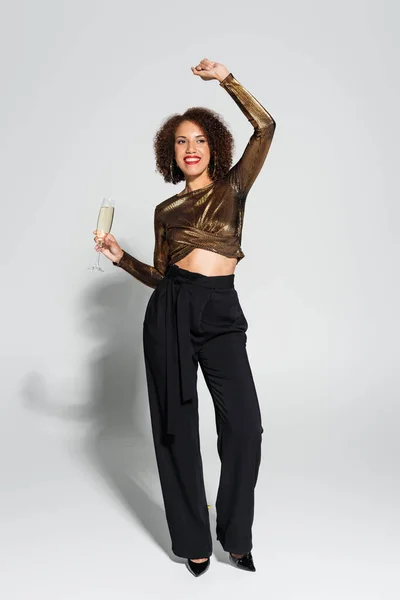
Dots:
pixel 219 139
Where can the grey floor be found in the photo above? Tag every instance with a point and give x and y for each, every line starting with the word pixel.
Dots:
pixel 82 518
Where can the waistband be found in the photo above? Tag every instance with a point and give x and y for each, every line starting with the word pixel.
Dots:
pixel 180 368
pixel 179 275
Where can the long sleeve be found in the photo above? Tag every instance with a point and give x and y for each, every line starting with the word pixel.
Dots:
pixel 147 274
pixel 243 174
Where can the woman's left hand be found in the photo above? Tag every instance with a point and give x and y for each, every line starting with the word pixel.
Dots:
pixel 207 70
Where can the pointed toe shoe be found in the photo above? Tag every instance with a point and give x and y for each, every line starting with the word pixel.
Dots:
pixel 197 569
pixel 245 563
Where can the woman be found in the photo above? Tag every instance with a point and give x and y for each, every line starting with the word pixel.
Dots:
pixel 193 316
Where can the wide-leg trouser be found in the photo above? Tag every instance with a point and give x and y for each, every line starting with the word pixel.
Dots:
pixel 217 342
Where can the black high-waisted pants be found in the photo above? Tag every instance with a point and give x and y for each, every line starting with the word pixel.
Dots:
pixel 190 319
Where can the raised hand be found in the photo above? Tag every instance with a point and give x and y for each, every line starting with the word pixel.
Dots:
pixel 108 246
pixel 208 69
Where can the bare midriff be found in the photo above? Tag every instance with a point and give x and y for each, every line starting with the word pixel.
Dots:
pixel 207 263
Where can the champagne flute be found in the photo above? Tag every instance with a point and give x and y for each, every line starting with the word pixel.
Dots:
pixel 104 223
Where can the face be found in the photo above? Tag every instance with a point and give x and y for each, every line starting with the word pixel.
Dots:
pixel 192 152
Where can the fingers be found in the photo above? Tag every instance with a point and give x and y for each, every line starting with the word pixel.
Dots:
pixel 106 244
pixel 207 64
pixel 206 69
pixel 203 65
pixel 107 237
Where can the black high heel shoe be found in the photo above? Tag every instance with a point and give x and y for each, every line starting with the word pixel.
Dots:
pixel 245 562
pixel 197 569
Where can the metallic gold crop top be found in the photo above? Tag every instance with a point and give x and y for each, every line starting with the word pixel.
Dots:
pixel 210 217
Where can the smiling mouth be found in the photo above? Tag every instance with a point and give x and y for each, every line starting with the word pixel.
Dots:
pixel 191 161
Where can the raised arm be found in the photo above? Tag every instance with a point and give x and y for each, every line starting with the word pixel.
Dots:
pixel 243 174
pixel 147 274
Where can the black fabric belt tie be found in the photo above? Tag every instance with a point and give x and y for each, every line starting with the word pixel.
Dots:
pixel 180 363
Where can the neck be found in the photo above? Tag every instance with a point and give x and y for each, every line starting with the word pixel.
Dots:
pixel 197 182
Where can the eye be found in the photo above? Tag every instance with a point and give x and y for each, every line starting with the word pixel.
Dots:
pixel 202 141
pixel 179 141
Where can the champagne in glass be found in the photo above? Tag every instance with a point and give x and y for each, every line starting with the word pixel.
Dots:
pixel 104 223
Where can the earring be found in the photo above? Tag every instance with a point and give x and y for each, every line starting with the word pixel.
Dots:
pixel 171 169
pixel 215 165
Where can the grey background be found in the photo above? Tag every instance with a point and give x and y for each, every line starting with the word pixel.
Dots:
pixel 85 86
